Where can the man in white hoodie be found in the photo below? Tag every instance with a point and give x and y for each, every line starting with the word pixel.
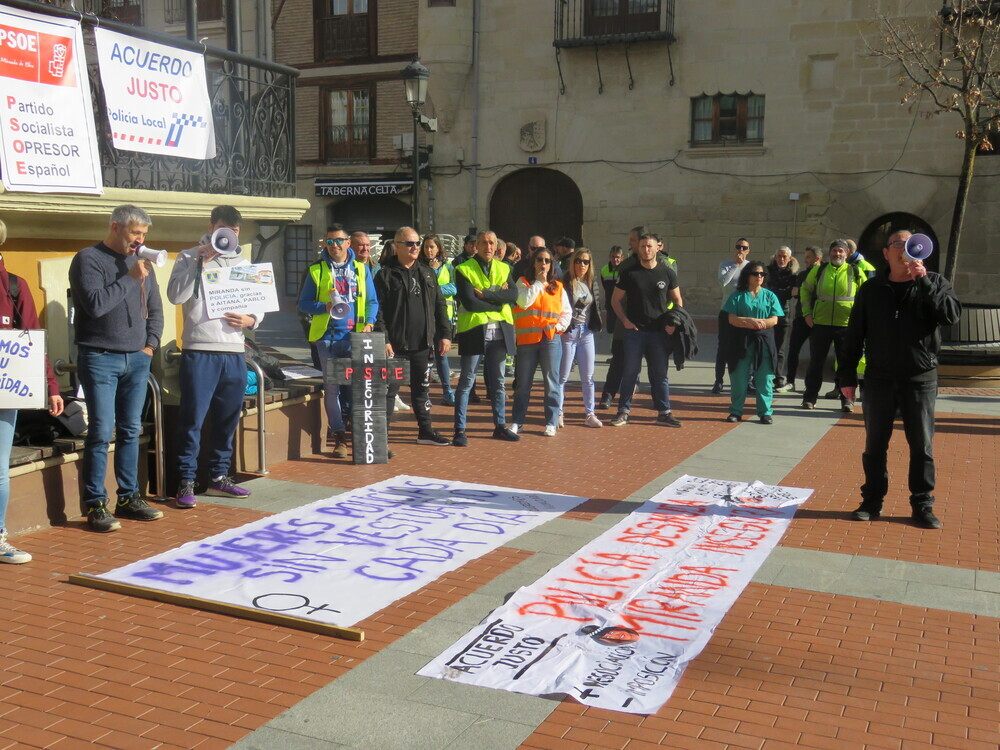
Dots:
pixel 213 369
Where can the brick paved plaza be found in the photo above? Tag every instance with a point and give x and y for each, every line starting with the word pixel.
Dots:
pixel 852 635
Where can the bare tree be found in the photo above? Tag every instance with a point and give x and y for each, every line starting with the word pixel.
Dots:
pixel 954 57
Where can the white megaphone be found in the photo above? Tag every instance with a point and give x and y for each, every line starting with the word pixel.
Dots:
pixel 225 242
pixel 157 257
pixel 341 310
pixel 918 247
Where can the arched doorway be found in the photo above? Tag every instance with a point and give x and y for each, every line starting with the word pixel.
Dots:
pixel 536 201
pixel 875 235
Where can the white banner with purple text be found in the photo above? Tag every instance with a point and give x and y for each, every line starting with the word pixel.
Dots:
pixel 615 625
pixel 341 559
pixel 157 97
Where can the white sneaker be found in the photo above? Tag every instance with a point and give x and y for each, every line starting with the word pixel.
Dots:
pixel 400 405
pixel 11 554
pixel 515 428
pixel 592 421
pixel 550 430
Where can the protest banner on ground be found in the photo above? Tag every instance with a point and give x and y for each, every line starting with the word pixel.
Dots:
pixel 342 559
pixel 246 289
pixel 23 384
pixel 47 139
pixel 157 97
pixel 615 625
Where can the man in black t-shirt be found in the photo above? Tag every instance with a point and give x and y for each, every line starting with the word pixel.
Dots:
pixel 646 289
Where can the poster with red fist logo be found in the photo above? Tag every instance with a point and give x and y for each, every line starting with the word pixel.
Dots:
pixel 48 142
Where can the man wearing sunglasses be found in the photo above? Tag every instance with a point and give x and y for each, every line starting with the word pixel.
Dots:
pixel 338 271
pixel 415 315
pixel 729 276
pixel 896 323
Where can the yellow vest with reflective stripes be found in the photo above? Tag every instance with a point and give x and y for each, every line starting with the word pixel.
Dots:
pixel 499 275
pixel 540 320
pixel 323 279
pixel 828 293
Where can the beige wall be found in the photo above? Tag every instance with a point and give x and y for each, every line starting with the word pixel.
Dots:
pixel 834 133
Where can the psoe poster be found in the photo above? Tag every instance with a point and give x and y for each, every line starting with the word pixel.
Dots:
pixel 157 97
pixel 47 138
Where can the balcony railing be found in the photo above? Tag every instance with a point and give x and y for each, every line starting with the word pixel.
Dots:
pixel 175 11
pixel 581 23
pixel 125 11
pixel 253 105
pixel 342 37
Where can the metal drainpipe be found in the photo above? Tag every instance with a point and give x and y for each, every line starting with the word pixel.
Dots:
pixel 474 146
pixel 261 430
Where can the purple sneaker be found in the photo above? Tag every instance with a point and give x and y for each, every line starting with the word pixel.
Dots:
pixel 185 496
pixel 224 487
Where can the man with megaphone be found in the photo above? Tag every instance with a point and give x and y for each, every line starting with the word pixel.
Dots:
pixel 213 373
pixel 896 324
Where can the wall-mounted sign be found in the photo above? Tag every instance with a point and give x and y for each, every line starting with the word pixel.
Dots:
pixel 47 139
pixel 330 188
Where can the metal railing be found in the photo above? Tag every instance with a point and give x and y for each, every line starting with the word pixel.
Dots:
pixel 581 23
pixel 261 430
pixel 253 105
pixel 175 11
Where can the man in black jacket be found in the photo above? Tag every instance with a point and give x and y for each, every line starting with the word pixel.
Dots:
pixel 414 314
pixel 895 322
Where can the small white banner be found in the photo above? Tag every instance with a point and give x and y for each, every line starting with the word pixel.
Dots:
pixel 246 289
pixel 615 625
pixel 47 139
pixel 344 558
pixel 156 96
pixel 23 384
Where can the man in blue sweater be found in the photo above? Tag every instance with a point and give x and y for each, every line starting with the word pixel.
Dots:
pixel 119 321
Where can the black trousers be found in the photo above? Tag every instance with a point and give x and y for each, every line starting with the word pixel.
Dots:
pixel 797 339
pixel 419 388
pixel 781 332
pixel 819 346
pixel 915 401
pixel 726 334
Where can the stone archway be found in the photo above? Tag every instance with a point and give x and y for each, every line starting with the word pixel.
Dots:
pixel 877 232
pixel 536 200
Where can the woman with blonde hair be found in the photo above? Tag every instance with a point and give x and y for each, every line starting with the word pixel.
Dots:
pixel 584 291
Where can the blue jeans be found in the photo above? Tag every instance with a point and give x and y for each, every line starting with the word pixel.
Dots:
pixel 8 417
pixel 331 349
pixel 548 353
pixel 495 356
pixel 211 382
pixel 578 346
pixel 114 385
pixel 654 346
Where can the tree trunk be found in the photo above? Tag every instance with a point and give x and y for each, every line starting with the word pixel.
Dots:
pixel 961 199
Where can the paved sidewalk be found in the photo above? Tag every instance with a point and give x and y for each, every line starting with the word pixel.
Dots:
pixel 852 635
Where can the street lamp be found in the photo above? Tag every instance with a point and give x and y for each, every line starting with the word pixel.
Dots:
pixel 415 78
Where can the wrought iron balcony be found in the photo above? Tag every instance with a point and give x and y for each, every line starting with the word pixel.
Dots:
pixel 342 37
pixel 175 11
pixel 580 23
pixel 125 11
pixel 253 106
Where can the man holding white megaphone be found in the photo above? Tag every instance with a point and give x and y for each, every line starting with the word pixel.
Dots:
pixel 895 323
pixel 213 369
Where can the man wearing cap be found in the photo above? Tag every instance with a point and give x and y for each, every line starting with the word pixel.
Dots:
pixel 827 296
pixel 896 321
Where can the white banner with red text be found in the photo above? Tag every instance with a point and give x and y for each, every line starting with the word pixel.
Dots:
pixel 156 96
pixel 615 625
pixel 341 559
pixel 48 143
